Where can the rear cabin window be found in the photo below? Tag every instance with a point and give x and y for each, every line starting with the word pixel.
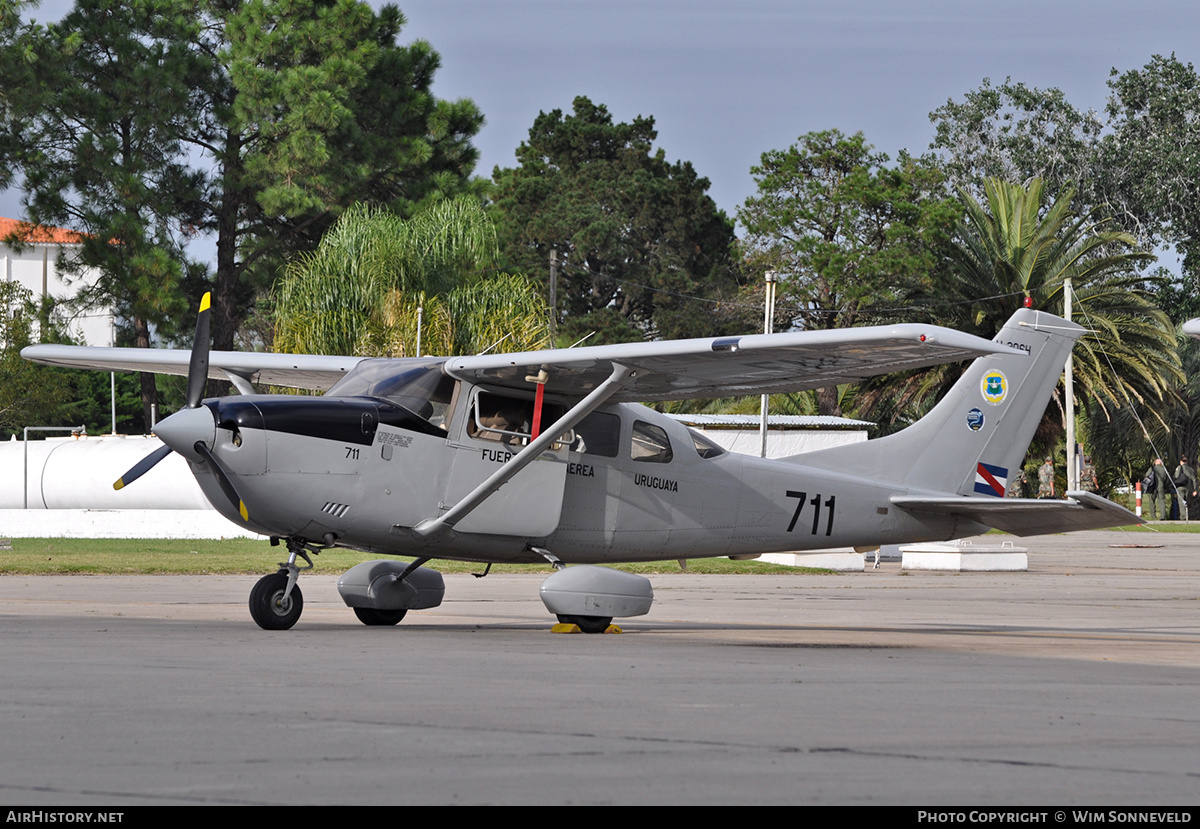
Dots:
pixel 598 434
pixel 650 443
pixel 705 448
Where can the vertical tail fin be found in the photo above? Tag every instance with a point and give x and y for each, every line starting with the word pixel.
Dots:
pixel 977 436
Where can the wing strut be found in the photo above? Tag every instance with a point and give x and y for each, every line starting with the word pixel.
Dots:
pixel 432 528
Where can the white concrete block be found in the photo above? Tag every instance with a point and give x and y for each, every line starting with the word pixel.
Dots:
pixel 844 561
pixel 963 556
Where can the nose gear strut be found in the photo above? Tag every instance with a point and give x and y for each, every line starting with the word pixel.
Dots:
pixel 276 601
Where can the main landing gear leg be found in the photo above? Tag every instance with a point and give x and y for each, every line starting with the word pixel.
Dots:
pixel 276 601
pixel 587 624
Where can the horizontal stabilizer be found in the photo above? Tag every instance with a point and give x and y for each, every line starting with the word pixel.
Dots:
pixel 1027 516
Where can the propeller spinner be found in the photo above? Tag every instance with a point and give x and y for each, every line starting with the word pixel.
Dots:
pixel 191 431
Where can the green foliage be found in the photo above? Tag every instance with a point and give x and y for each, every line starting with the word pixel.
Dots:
pixel 28 392
pixel 149 122
pixel 636 236
pixel 324 299
pixel 503 313
pixel 844 231
pixel 1016 133
pixel 1126 440
pixel 360 291
pixel 1152 157
pixel 90 128
pixel 1138 166
pixel 308 107
pixel 1184 419
pixel 36 395
pixel 89 401
pixel 1018 246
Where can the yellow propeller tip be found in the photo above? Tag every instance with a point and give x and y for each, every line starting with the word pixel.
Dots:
pixel 205 302
pixel 118 484
pixel 242 509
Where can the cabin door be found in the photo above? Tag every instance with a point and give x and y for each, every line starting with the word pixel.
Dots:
pixel 496 426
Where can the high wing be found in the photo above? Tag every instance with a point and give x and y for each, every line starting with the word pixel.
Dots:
pixel 301 371
pixel 1027 516
pixel 667 370
pixel 730 366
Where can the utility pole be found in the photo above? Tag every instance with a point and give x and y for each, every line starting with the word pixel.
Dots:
pixel 420 319
pixel 1069 399
pixel 768 326
pixel 553 296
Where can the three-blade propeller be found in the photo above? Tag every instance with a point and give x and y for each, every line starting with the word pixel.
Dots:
pixel 188 431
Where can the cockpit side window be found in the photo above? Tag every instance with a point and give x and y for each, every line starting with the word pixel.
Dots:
pixel 650 443
pixel 507 419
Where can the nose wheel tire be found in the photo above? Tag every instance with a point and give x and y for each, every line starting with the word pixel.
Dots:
pixel 373 617
pixel 268 607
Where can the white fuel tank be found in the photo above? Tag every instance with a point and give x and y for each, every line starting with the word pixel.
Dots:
pixel 78 473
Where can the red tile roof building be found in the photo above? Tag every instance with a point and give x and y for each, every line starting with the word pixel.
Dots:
pixel 36 234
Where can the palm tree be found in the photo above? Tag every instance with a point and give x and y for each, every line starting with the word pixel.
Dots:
pixel 360 291
pixel 1017 249
pixel 504 312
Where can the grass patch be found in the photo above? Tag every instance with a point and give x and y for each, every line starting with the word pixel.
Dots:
pixel 1162 527
pixel 106 556
pixel 1153 527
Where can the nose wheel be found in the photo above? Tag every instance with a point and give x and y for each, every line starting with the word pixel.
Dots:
pixel 272 605
pixel 276 601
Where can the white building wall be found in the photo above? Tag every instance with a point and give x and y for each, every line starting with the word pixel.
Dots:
pixel 781 443
pixel 36 268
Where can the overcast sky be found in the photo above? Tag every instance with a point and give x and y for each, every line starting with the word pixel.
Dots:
pixel 727 80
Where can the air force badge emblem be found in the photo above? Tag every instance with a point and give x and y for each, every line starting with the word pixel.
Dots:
pixel 994 387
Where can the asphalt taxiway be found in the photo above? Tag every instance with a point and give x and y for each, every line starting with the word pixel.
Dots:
pixel 1072 683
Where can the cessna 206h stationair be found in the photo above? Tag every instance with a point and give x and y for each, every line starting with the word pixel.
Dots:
pixel 547 456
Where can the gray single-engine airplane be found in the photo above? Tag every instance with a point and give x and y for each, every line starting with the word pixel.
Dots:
pixel 547 455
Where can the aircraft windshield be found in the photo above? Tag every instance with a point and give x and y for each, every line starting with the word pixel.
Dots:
pixel 422 389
